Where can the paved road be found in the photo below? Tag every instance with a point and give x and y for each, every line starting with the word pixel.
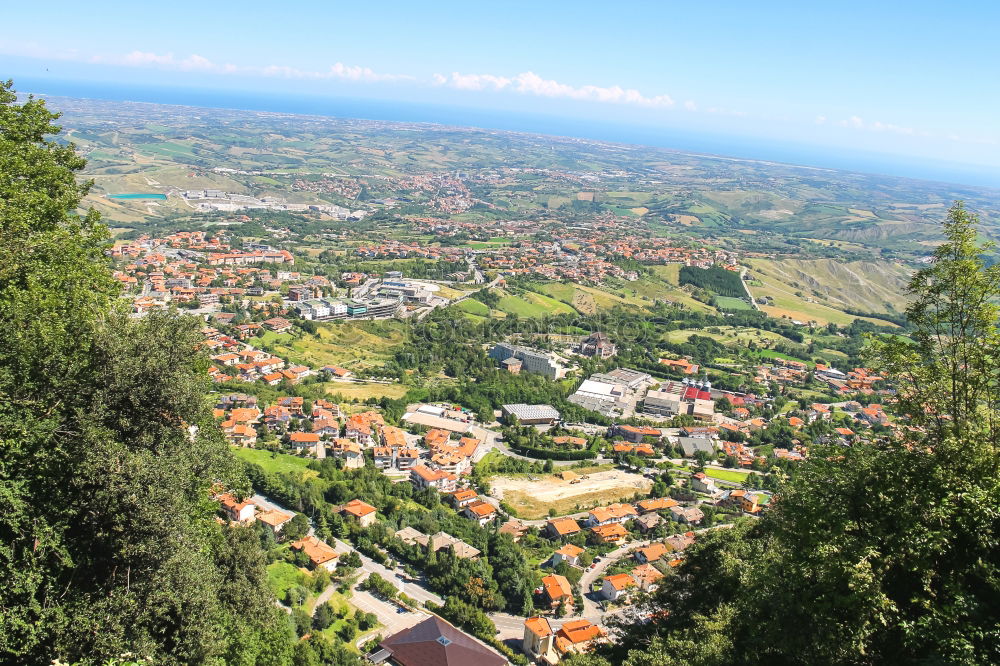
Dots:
pixel 502 448
pixel 388 614
pixel 414 590
pixel 591 608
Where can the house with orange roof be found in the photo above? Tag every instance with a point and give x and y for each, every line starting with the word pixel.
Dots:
pixel 362 512
pixel 436 437
pixel 576 636
pixel 681 365
pixel 539 641
pixel 304 440
pixel 612 533
pixel 578 442
pixel 616 586
pixel 275 519
pixel 245 415
pixel 569 553
pixel 349 451
pixel 273 378
pixel 463 497
pixel 235 510
pixel 613 513
pixel 320 553
pixel 481 512
pixel 635 434
pixel 423 477
pixel 656 504
pixel 392 437
pixel 651 553
pixel 241 434
pixel 557 590
pixel 407 457
pixel 795 422
pixel 561 528
pixel 646 577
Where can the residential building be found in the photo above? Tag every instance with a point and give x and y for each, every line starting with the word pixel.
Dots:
pixel 687 515
pixel 700 483
pixel 362 512
pixel 614 513
pixel 646 577
pixel 320 554
pixel 463 497
pixel 577 636
pixel 539 641
pixel 613 533
pixel 570 554
pixel 274 518
pixel 236 511
pixel 651 553
pixel 424 477
pixel 636 434
pixel 435 642
pixel 557 590
pixel 616 586
pixel 561 528
pixel 481 512
pixel 349 451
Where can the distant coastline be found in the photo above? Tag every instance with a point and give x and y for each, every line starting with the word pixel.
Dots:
pixel 370 109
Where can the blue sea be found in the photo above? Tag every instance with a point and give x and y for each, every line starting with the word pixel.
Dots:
pixel 729 146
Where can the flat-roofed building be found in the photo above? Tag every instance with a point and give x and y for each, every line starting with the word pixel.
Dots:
pixel 532 360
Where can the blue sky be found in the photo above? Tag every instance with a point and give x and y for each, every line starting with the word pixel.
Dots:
pixel 914 79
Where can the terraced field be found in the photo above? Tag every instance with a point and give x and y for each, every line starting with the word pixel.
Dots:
pixel 821 289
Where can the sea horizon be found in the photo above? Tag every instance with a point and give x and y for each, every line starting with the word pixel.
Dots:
pixel 736 147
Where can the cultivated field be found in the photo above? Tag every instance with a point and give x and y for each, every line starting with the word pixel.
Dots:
pixel 533 498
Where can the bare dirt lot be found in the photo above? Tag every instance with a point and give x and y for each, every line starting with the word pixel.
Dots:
pixel 533 498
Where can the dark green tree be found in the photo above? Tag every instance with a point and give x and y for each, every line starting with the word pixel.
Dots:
pixel 875 554
pixel 107 539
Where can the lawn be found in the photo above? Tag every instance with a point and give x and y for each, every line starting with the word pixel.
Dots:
pixel 727 475
pixel 274 463
pixel 472 306
pixel 532 304
pixel 281 576
pixel 730 303
pixel 669 272
pixel 769 353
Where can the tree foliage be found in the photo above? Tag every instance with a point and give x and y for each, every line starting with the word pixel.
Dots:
pixel 885 553
pixel 107 538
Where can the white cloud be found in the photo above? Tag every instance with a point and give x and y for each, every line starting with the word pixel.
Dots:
pixel 690 106
pixel 856 122
pixel 529 83
pixel 820 120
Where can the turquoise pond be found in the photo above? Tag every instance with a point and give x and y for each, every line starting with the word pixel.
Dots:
pixel 137 196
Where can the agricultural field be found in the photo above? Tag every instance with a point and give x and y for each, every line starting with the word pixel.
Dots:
pixel 821 289
pixel 364 390
pixel 728 335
